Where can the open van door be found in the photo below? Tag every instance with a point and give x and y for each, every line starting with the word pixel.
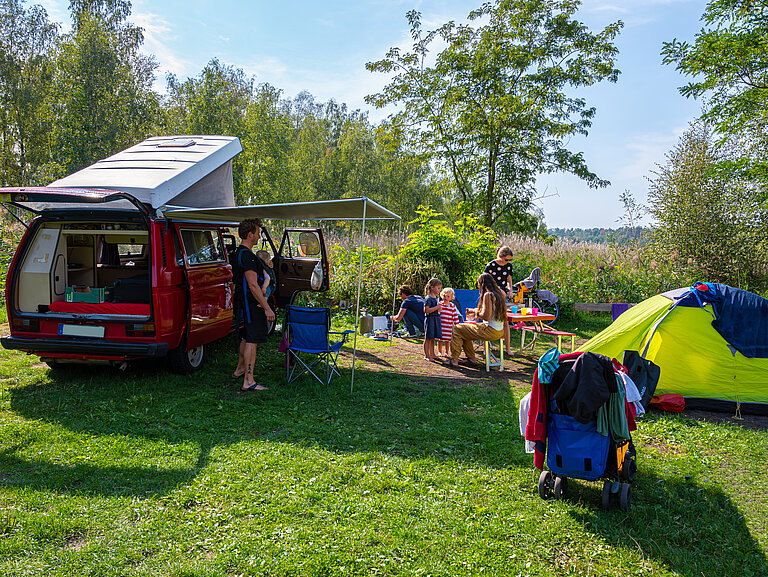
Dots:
pixel 302 263
pixel 209 277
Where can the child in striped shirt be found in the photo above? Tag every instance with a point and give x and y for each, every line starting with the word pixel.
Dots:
pixel 449 316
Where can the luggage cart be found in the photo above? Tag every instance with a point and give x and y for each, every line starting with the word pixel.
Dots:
pixel 576 450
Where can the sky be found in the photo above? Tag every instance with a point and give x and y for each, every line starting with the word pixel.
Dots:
pixel 322 47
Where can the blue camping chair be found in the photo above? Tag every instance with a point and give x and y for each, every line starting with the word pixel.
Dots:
pixel 466 298
pixel 308 332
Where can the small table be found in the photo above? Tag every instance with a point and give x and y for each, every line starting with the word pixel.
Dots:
pixel 532 323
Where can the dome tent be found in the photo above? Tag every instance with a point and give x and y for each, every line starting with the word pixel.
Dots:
pixel 710 340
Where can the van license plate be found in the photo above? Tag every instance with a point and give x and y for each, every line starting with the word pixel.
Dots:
pixel 81 331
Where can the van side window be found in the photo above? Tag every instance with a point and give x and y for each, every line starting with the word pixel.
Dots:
pixel 202 245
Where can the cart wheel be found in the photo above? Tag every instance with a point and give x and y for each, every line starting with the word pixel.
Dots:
pixel 631 468
pixel 607 494
pixel 624 496
pixel 544 481
pixel 560 488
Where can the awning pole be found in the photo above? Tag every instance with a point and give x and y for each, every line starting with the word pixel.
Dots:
pixel 357 300
pixel 397 264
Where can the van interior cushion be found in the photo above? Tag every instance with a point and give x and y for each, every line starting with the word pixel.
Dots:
pixel 137 309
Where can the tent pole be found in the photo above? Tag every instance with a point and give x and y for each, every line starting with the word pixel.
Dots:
pixel 397 264
pixel 357 300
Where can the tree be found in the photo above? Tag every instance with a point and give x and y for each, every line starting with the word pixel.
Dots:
pixel 27 38
pixel 707 224
pixel 103 97
pixel 494 110
pixel 213 103
pixel 729 61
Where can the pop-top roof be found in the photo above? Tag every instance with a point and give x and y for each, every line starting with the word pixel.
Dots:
pixel 192 171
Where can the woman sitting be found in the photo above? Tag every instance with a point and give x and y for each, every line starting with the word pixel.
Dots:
pixel 490 316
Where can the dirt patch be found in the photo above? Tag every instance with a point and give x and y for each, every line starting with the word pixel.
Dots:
pixel 752 422
pixel 75 541
pixel 664 448
pixel 5 329
pixel 406 357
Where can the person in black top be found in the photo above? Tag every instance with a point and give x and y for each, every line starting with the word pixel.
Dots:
pixel 251 305
pixel 501 270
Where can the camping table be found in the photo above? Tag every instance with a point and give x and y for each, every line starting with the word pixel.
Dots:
pixel 535 322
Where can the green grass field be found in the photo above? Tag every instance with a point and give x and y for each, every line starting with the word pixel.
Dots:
pixel 146 473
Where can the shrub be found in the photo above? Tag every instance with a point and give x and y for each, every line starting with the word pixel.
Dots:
pixel 461 249
pixel 378 282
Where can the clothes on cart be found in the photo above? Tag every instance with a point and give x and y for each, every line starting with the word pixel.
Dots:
pixel 633 395
pixel 612 416
pixel 581 379
pixel 525 406
pixel 585 387
pixel 548 363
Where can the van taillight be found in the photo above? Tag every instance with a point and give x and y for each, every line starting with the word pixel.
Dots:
pixel 27 325
pixel 140 330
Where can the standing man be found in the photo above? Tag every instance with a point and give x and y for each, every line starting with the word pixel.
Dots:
pixel 411 311
pixel 250 303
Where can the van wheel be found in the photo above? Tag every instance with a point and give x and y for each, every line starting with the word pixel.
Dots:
pixel 186 362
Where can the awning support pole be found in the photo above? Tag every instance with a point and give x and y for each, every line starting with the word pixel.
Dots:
pixel 357 300
pixel 397 264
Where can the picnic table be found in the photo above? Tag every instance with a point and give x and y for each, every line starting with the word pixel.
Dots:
pixel 536 324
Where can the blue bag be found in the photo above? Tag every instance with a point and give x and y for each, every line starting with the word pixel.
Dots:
pixel 575 449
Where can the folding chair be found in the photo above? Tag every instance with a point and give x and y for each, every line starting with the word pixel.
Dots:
pixel 308 333
pixel 466 299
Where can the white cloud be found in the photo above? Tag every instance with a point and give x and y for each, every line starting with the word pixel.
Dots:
pixel 645 151
pixel 158 34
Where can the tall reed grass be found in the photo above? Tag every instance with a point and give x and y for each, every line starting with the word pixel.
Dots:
pixel 575 271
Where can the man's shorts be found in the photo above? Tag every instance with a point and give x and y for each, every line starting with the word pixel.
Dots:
pixel 256 331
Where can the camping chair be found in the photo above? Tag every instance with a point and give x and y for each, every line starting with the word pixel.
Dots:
pixel 308 332
pixel 466 298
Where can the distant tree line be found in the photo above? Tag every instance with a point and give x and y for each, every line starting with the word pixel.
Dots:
pixel 622 235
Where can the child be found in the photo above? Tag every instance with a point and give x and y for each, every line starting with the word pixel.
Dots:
pixel 449 316
pixel 268 286
pixel 431 317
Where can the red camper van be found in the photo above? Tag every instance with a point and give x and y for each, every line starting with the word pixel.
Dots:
pixel 101 275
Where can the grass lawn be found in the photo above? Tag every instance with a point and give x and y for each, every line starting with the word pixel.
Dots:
pixel 146 473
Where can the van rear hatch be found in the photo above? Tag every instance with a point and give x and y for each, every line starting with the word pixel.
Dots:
pixel 79 286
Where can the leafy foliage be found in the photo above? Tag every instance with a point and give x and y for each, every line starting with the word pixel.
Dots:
pixel 27 41
pixel 707 224
pixel 462 248
pixel 102 97
pixel 728 62
pixel 493 110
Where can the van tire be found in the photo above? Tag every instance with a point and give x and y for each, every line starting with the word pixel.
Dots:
pixel 186 362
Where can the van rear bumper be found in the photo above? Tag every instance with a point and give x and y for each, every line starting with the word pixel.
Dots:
pixel 85 347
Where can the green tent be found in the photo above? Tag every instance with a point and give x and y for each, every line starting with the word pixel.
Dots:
pixel 695 360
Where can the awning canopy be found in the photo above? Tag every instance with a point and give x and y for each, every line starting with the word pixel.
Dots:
pixel 344 209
